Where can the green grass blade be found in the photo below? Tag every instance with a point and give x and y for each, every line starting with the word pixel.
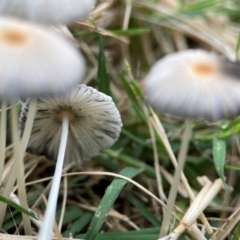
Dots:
pixel 236 235
pixel 103 78
pixel 136 138
pixel 143 234
pixel 219 155
pixel 131 32
pixel 108 200
pixel 107 163
pixel 237 48
pixel 71 214
pixel 13 222
pixel 131 162
pixel 233 168
pixel 200 6
pixel 79 224
pixel 119 236
pixel 16 206
pixel 143 209
pixel 132 97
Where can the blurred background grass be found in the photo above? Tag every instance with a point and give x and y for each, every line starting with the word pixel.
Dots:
pixel 121 40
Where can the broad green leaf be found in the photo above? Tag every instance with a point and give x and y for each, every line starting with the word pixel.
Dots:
pixel 108 200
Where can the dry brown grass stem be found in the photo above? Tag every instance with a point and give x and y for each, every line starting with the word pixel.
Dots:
pixel 173 191
pixel 161 132
pixel 89 27
pixel 18 237
pixel 231 222
pixel 3 137
pixel 156 158
pixel 19 174
pixel 202 200
pixel 96 173
pixel 196 28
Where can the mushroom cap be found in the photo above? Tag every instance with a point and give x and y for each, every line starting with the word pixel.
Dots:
pixel 45 11
pixel 94 124
pixel 36 61
pixel 194 84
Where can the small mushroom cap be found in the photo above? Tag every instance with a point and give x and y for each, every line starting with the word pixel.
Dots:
pixel 194 84
pixel 94 124
pixel 36 61
pixel 47 11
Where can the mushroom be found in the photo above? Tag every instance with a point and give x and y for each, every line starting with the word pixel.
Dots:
pixel 94 124
pixel 43 61
pixel 45 11
pixel 34 61
pixel 194 84
pixel 75 127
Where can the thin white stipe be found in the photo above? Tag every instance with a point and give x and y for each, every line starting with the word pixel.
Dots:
pixel 48 222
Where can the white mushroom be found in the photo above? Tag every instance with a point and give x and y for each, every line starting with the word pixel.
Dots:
pixel 36 61
pixel 194 84
pixel 94 124
pixel 45 11
pixel 75 128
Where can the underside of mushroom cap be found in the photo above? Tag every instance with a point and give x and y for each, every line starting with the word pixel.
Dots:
pixel 36 61
pixel 45 11
pixel 194 84
pixel 94 124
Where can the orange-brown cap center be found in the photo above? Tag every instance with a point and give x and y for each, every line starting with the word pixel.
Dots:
pixel 204 69
pixel 14 37
pixel 65 113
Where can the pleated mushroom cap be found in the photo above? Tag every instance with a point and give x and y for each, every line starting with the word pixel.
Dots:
pixel 48 11
pixel 36 61
pixel 194 84
pixel 94 124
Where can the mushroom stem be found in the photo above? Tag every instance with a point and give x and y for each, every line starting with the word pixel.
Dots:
pixel 2 138
pixel 13 174
pixel 46 229
pixel 173 192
